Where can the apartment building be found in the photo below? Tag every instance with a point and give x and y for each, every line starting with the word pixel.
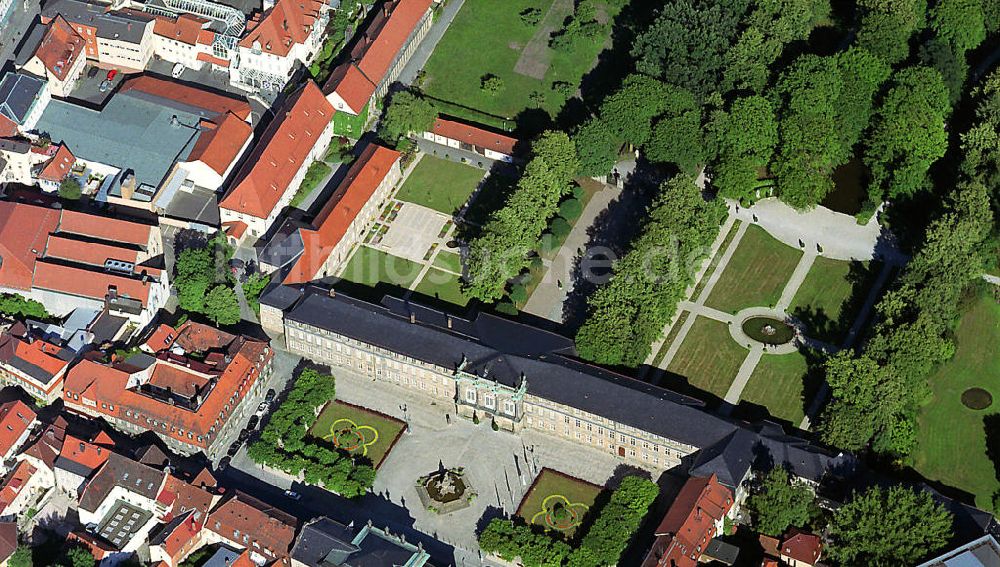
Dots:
pixel 190 393
pixel 33 364
pixel 288 33
pixel 299 134
pixel 376 59
pixel 318 250
pixel 122 39
pixel 58 55
pixel 23 99
pixel 243 522
pixel 185 39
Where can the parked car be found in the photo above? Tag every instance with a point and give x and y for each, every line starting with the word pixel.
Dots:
pixel 252 423
pixel 293 495
pixel 224 464
pixel 269 396
pixel 235 448
pixel 262 408
pixel 105 85
pixel 243 436
pixel 177 70
pixel 92 72
pixel 112 74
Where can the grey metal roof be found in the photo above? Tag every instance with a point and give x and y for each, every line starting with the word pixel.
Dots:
pixel 130 132
pixel 30 44
pixel 122 26
pixel 18 93
pixel 321 540
pixel 509 352
pixel 15 146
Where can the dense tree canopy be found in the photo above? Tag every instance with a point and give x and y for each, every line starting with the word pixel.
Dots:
pixel 222 306
pixel 888 25
pixel 959 22
pixel 880 527
pixel 746 136
pixel 678 135
pixel 17 306
pixel 406 113
pixel 781 503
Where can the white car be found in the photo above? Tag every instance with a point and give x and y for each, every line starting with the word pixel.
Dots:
pixel 177 70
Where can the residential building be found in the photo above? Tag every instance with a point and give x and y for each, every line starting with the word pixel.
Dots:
pixel 189 394
pixel 694 518
pixel 59 56
pixel 69 260
pixel 981 552
pixel 79 331
pixel 121 502
pixel 120 39
pixel 800 549
pixel 318 250
pixel 185 39
pixel 243 522
pixel 16 423
pixel 77 461
pixel 23 99
pixel 17 161
pixel 51 173
pixel 21 489
pixel 299 134
pixel 375 60
pixel 182 529
pixel 8 540
pixel 324 542
pixel 43 450
pixel 288 33
pixel 461 136
pixel 521 377
pixel 36 366
pixel 29 161
pixel 155 145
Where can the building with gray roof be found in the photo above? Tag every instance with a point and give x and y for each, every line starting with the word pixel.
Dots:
pixel 326 543
pixel 23 98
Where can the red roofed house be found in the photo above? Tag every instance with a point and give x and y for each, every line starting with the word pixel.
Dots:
pixel 378 57
pixel 8 541
pixel 299 133
pixel 59 167
pixel 77 460
pixel 20 490
pixel 67 259
pixel 800 549
pixel 490 145
pixel 291 31
pixel 121 499
pixel 181 39
pixel 181 532
pixel 16 422
pixel 36 366
pixel 59 58
pixel 244 522
pixel 694 518
pixel 188 401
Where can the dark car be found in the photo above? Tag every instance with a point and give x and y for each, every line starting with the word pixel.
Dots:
pixel 235 448
pixel 92 72
pixel 224 464
pixel 243 436
pixel 269 396
pixel 254 420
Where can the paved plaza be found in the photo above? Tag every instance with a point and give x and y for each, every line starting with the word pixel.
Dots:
pixel 413 232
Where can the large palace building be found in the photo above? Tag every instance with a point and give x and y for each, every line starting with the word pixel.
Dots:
pixel 520 376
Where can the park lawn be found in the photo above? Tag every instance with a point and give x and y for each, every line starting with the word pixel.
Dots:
pixel 443 286
pixel 448 261
pixel 578 493
pixel 756 274
pixel 709 357
pixel 951 438
pixel 440 184
pixel 342 417
pixel 487 37
pixel 825 297
pixel 369 266
pixel 783 385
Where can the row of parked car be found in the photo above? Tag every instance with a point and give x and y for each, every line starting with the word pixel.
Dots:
pixel 252 424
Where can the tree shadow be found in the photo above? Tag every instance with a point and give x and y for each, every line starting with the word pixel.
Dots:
pixel 991 426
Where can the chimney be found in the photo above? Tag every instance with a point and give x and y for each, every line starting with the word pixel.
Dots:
pixel 333 292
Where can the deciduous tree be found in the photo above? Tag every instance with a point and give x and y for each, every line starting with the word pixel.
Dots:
pixel 781 503
pixel 407 112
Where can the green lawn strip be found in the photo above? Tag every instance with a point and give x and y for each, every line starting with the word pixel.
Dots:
pixel 369 266
pixel 674 330
pixel 487 38
pixel 388 428
pixel 440 184
pixel 448 261
pixel 952 442
pixel 756 274
pixel 782 385
pixel 824 301
pixel 549 483
pixel 443 286
pixel 709 357
pixel 715 260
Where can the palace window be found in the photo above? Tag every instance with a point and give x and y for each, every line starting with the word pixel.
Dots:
pixel 509 408
pixel 470 396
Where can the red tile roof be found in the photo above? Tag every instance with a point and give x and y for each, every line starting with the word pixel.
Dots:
pixel 105 228
pixel 220 143
pixel 690 522
pixel 377 48
pixel 59 166
pixel 213 60
pixel 14 483
pixel 98 382
pixel 46 447
pixel 803 547
pixel 84 453
pixel 282 150
pixel 60 47
pixel 192 96
pixel 339 212
pixel 287 23
pixel 23 232
pixel 475 136
pixel 351 85
pixel 8 539
pixel 161 338
pixel 84 252
pixel 235 229
pixel 15 418
pixel 185 28
pixel 82 282
pixel 261 523
pixel 41 354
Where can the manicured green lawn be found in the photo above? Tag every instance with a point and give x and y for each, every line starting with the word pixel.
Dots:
pixel 440 184
pixel 823 302
pixel 558 502
pixel 448 261
pixel 357 430
pixel 951 437
pixel 709 357
pixel 488 37
pixel 714 263
pixel 782 384
pixel 443 286
pixel 369 266
pixel 756 274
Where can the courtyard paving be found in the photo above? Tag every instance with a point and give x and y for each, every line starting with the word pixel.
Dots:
pixel 413 232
